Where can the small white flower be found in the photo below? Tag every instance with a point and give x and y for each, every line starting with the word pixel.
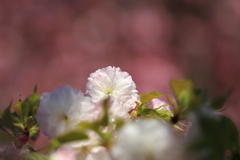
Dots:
pixel 60 111
pixel 147 139
pixel 113 82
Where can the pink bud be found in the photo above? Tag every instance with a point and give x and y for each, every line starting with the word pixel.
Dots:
pixel 21 140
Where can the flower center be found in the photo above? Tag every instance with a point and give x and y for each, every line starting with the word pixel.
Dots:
pixel 108 91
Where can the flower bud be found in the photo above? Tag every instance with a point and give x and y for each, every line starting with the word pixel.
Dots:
pixel 21 140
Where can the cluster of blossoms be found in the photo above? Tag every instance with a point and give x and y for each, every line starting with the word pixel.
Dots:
pixel 63 110
pixel 112 121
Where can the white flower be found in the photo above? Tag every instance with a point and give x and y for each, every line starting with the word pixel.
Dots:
pixel 60 111
pixel 147 139
pixel 113 82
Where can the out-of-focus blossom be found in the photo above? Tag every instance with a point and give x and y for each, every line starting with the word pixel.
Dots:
pixel 64 153
pixel 8 151
pixel 113 82
pixel 68 153
pixel 99 153
pixel 117 109
pixel 156 103
pixel 83 150
pixel 147 139
pixel 60 111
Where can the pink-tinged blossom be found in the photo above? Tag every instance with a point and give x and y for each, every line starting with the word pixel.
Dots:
pixel 146 139
pixel 60 111
pixel 113 82
pixel 156 103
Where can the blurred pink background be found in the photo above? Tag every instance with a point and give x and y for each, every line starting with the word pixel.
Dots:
pixel 57 42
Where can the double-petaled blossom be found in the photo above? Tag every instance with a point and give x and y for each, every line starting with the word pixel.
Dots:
pixel 113 82
pixel 144 140
pixel 60 111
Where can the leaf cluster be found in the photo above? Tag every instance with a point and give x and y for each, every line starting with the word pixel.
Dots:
pixel 22 120
pixel 212 136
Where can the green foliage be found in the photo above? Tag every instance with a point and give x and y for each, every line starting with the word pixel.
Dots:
pixel 213 132
pixel 6 120
pixel 144 98
pixel 22 120
pixel 160 114
pixel 119 123
pixel 22 109
pixel 5 137
pixel 220 101
pixel 183 90
pixel 105 118
pixel 75 135
pixel 143 110
pixel 33 101
pixel 32 155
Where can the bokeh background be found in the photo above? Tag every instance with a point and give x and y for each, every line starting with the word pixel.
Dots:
pixel 57 42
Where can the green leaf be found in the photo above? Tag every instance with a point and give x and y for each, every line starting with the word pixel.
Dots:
pixel 165 114
pixel 22 109
pixel 35 156
pixel 34 132
pixel 230 133
pixel 183 90
pixel 86 125
pixel 145 97
pixel 211 131
pixel 161 114
pixel 184 98
pixel 76 135
pixel 5 137
pixel 19 125
pixel 33 101
pixel 7 117
pixel 32 128
pixel 172 101
pixel 119 123
pixel 220 101
pixel 179 85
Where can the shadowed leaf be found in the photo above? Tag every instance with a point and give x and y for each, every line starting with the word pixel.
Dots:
pixel 220 101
